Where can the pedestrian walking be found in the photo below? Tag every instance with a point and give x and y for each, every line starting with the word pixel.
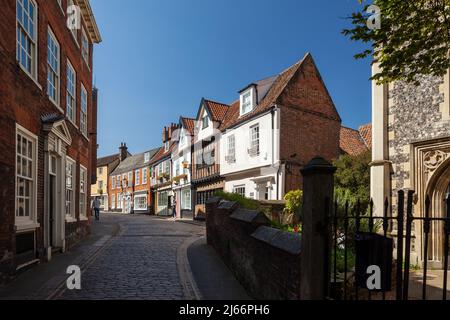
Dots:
pixel 96 207
pixel 174 209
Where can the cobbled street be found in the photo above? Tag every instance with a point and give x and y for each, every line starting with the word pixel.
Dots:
pixel 139 263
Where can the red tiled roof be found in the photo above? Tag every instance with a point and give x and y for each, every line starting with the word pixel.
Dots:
pixel 351 142
pixel 189 124
pixel 366 133
pixel 218 110
pixel 161 154
pixel 233 115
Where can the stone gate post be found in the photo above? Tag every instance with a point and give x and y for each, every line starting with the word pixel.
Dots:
pixel 318 185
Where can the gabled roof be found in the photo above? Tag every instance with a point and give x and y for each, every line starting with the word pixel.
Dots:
pixel 351 142
pixel 366 133
pixel 161 154
pixel 104 161
pixel 134 162
pixel 216 110
pixel 269 90
pixel 188 124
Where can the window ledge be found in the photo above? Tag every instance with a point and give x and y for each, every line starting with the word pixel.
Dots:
pixel 21 227
pixel 83 218
pixel 70 219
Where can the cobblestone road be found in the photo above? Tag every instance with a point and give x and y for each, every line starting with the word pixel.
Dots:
pixel 139 263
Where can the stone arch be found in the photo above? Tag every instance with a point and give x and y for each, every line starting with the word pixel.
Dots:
pixel 437 189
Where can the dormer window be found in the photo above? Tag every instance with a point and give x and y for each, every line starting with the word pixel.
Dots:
pixel 247 100
pixel 166 146
pixel 147 157
pixel 205 122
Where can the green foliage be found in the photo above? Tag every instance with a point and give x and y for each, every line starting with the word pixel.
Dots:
pixel 293 202
pixel 414 38
pixel 352 180
pixel 242 201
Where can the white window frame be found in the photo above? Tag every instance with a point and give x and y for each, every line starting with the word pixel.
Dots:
pixel 84 111
pixel 238 190
pixel 247 107
pixel 71 214
pixel 85 50
pixel 137 180
pixel 185 204
pixel 119 201
pixel 144 176
pixel 72 103
pixel 205 122
pixel 255 139
pixel 130 179
pixel 136 199
pixel 146 157
pixel 231 148
pixel 27 222
pixel 34 39
pixel 113 201
pixel 83 209
pixel 74 31
pixel 51 72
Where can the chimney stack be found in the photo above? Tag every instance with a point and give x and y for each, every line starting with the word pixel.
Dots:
pixel 123 151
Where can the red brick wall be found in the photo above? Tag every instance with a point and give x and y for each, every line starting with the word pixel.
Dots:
pixel 24 102
pixel 309 125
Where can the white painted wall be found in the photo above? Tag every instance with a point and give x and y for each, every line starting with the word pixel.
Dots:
pixel 268 145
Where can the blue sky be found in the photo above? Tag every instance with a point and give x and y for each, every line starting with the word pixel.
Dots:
pixel 158 59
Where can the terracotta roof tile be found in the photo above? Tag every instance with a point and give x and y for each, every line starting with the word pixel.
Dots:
pixel 351 142
pixel 161 154
pixel 189 124
pixel 279 84
pixel 366 133
pixel 218 110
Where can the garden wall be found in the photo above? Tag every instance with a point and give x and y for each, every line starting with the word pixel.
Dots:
pixel 266 261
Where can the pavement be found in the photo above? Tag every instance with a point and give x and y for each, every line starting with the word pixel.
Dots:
pixel 133 257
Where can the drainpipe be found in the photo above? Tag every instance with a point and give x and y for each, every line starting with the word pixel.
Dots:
pixel 273 111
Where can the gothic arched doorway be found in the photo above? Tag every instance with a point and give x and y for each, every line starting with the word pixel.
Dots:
pixel 438 190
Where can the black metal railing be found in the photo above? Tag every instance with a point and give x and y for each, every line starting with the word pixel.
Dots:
pixel 360 239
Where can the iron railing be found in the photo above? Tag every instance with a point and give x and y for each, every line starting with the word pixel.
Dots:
pixel 349 224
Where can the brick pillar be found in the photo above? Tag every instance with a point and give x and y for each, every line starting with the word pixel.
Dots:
pixel 318 185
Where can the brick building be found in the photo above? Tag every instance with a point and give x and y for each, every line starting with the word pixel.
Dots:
pixel 102 187
pixel 161 173
pixel 129 183
pixel 276 126
pixel 48 129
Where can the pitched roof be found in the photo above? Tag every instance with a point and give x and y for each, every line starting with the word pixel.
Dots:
pixel 161 153
pixel 218 110
pixel 366 133
pixel 104 161
pixel 189 124
pixel 134 162
pixel 272 86
pixel 351 142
